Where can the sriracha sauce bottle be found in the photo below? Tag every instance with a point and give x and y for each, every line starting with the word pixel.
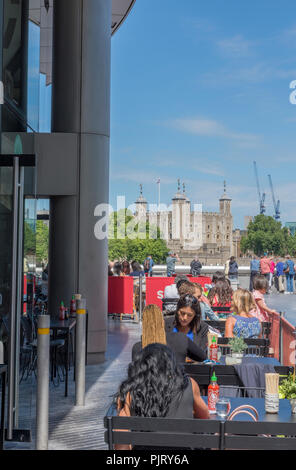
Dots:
pixel 214 350
pixel 213 394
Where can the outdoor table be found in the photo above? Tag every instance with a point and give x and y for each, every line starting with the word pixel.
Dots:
pixel 66 326
pixel 3 373
pixel 228 376
pixel 283 416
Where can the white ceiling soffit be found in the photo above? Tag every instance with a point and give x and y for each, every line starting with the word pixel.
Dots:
pixel 120 10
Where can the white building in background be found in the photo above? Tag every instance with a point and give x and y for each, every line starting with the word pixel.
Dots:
pixel 190 231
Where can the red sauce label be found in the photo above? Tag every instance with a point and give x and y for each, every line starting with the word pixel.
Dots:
pixel 213 397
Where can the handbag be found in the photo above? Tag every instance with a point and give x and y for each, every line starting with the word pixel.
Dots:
pixel 287 269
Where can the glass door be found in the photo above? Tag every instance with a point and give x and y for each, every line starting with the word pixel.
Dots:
pixel 17 284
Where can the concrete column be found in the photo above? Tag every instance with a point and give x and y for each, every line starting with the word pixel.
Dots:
pixel 81 104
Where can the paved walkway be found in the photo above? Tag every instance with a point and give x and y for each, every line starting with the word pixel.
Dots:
pixel 81 428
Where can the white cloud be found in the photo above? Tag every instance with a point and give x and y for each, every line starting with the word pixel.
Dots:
pixel 138 176
pixel 235 47
pixel 210 128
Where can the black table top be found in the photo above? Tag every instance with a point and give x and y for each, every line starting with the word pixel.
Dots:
pixel 283 416
pixel 56 324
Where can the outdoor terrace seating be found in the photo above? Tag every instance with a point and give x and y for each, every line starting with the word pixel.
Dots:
pixel 167 433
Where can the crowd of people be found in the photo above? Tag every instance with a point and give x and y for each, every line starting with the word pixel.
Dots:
pixel 125 268
pixel 156 385
pixel 279 272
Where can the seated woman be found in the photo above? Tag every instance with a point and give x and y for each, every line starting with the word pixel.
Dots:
pixel 221 295
pixel 243 324
pixel 153 332
pixel 157 387
pixel 188 320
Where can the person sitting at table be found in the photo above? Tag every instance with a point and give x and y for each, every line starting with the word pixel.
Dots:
pixel 153 331
pixel 206 311
pixel 195 289
pixel 172 292
pixel 221 295
pixel 188 320
pixel 243 324
pixel 157 387
pixel 261 286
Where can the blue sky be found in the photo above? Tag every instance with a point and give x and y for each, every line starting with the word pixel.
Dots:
pixel 199 91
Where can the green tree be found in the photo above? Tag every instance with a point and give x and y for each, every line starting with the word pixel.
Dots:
pixel 265 234
pixel 29 240
pixel 42 240
pixel 133 240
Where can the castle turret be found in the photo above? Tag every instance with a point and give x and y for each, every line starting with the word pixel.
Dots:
pixel 141 206
pixel 225 203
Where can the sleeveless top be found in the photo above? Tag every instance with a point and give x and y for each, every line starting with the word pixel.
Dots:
pixel 180 407
pixel 247 327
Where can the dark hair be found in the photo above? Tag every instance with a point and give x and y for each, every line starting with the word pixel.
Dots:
pixel 223 291
pixel 110 272
pixel 154 379
pixel 192 302
pixel 218 276
pixel 260 282
pixel 232 258
pixel 136 266
pixel 117 268
pixel 125 267
pixel 185 287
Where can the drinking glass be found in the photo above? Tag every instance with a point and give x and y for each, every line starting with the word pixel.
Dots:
pixel 223 407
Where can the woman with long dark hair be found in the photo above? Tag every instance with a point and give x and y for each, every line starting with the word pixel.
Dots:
pixel 157 387
pixel 188 320
pixel 153 331
pixel 221 294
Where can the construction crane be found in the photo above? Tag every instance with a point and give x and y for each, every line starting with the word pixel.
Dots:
pixel 277 214
pixel 261 198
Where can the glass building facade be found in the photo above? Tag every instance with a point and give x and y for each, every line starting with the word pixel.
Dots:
pixel 26 58
pixel 54 157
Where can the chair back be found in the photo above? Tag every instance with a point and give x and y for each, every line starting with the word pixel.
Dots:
pixel 162 433
pixel 257 346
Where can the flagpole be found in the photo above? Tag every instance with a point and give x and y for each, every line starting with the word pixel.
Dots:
pixel 158 182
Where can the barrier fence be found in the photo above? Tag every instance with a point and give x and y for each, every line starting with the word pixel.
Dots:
pixel 121 289
pixel 120 300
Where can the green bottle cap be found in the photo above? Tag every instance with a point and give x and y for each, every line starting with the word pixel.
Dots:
pixel 73 297
pixel 62 304
pixel 214 378
pixel 214 339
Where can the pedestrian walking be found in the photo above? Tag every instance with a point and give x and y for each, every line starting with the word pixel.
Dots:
pixel 280 276
pixel 254 270
pixel 265 262
pixel 233 269
pixel 195 267
pixel 171 263
pixel 148 265
pixel 289 273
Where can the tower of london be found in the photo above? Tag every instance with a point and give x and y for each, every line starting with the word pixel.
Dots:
pixel 190 231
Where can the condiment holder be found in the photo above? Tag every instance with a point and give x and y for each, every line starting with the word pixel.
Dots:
pixel 272 401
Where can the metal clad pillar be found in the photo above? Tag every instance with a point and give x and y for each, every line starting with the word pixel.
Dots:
pixel 81 104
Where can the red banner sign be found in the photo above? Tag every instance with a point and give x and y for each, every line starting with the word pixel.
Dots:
pixel 155 287
pixel 120 294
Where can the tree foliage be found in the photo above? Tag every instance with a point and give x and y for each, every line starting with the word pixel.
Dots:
pixel 134 240
pixel 42 240
pixel 265 234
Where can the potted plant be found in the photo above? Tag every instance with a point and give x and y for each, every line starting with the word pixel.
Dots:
pixel 237 347
pixel 287 389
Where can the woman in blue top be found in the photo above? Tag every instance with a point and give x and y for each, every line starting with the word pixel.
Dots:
pixel 188 320
pixel 243 324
